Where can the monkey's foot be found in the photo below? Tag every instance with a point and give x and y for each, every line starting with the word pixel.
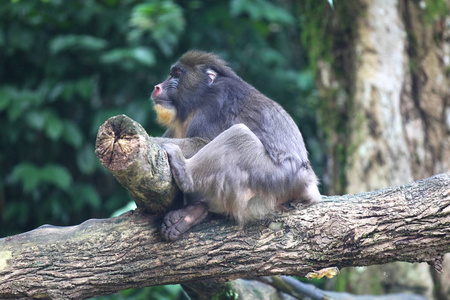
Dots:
pixel 177 222
pixel 311 195
pixel 178 167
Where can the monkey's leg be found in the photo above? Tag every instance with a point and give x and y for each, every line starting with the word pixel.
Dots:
pixel 177 222
pixel 237 176
pixel 310 193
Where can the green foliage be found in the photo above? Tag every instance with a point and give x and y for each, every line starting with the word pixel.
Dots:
pixel 227 294
pixel 32 177
pixel 435 9
pixel 65 71
pixel 67 66
pixel 70 65
pixel 129 58
pixel 162 20
pixel 76 42
pixel 260 10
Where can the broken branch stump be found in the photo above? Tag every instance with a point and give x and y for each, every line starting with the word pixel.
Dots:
pixel 140 165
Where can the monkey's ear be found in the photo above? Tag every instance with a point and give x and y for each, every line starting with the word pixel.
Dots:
pixel 211 75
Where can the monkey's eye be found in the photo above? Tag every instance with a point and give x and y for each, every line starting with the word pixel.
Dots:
pixel 211 75
pixel 176 73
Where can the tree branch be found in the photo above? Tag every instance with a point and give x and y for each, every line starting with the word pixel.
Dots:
pixel 139 164
pixel 405 223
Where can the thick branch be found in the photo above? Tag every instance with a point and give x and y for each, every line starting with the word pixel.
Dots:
pixel 405 223
pixel 140 165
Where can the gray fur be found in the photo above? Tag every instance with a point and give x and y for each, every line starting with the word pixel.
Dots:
pixel 243 155
pixel 237 177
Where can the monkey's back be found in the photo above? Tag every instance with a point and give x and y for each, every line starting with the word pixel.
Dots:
pixel 274 127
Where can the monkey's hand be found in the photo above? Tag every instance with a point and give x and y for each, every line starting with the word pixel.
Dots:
pixel 177 222
pixel 180 173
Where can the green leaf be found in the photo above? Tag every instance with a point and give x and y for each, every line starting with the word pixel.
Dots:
pixel 56 91
pixel 115 56
pixel 84 87
pixel 54 127
pixel 85 194
pixel 260 10
pixel 67 90
pixel 36 119
pixel 71 41
pixel 72 134
pixel 141 55
pixel 32 176
pixel 86 160
pixel 305 80
pixel 5 99
pixel 144 55
pixel 56 175
pixel 173 289
pixel 273 57
pixel 28 174
pixel 164 20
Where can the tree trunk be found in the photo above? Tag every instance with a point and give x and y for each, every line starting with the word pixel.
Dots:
pixel 407 223
pixel 389 78
pixel 401 98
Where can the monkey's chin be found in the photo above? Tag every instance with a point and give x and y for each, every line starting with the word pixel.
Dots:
pixel 164 116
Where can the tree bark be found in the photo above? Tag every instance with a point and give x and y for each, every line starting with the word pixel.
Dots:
pixel 387 91
pixel 139 164
pixel 405 223
pixel 401 98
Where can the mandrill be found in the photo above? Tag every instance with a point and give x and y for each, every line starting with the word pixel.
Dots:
pixel 231 149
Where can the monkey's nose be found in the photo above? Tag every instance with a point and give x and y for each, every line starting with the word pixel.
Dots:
pixel 157 90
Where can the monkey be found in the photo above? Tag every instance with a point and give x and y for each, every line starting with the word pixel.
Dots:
pixel 231 149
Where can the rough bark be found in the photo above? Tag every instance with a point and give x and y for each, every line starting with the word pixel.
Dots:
pixel 140 165
pixel 401 98
pixel 405 223
pixel 402 92
pixel 389 82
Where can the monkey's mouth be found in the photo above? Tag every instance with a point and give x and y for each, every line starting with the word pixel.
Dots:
pixel 161 101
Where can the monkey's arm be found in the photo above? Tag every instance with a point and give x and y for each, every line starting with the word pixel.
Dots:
pixel 177 222
pixel 278 133
pixel 188 146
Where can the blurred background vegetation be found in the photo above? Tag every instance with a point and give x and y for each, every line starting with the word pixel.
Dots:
pixel 67 66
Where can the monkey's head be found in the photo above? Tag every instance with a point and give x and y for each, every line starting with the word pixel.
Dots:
pixel 193 81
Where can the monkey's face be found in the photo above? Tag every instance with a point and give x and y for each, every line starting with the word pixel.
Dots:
pixel 178 97
pixel 163 97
